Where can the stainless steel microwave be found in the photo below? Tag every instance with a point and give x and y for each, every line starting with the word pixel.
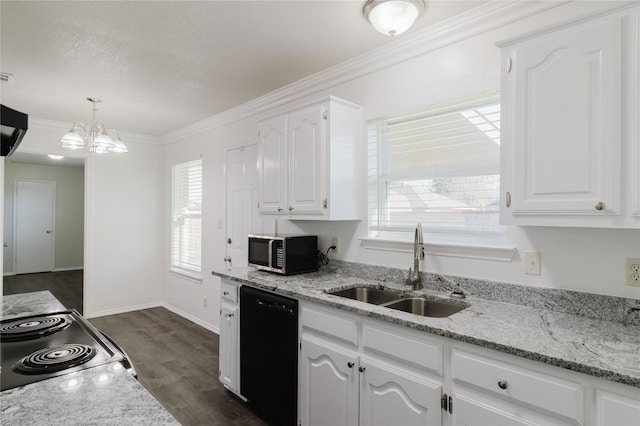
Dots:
pixel 285 254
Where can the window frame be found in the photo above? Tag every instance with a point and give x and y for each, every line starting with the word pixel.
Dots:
pixel 179 212
pixel 447 240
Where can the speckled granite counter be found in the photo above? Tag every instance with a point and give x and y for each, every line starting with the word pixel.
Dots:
pixel 599 347
pixel 105 394
pixel 23 304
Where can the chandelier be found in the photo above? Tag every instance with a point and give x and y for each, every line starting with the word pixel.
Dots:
pixel 95 138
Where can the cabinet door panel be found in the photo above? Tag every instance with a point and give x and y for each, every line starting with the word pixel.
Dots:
pixel 392 397
pixel 229 346
pixel 470 412
pixel 328 385
pixel 272 184
pixel 616 410
pixel 566 123
pixel 307 139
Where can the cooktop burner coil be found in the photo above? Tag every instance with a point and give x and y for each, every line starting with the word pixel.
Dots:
pixel 55 358
pixel 32 328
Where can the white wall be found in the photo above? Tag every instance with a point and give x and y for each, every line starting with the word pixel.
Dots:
pixel 124 201
pixel 69 211
pixel 589 260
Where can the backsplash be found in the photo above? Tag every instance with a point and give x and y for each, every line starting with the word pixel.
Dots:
pixel 626 311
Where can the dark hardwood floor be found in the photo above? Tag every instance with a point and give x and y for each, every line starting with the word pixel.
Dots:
pixel 66 286
pixel 176 360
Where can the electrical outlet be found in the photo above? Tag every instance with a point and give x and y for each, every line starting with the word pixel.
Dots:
pixel 335 241
pixel 632 272
pixel 532 262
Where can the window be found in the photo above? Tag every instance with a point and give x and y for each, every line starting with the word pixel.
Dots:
pixel 186 218
pixel 439 166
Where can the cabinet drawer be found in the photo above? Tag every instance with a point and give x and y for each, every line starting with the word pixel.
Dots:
pixel 330 322
pixel 526 386
pixel 406 346
pixel 229 291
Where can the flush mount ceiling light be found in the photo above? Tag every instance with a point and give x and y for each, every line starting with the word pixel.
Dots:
pixel 393 17
pixel 95 138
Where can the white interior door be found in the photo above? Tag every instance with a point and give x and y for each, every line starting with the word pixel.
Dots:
pixel 34 219
pixel 242 202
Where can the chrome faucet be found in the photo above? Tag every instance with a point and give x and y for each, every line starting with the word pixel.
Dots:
pixel 418 254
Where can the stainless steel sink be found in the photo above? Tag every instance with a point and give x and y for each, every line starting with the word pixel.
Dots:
pixel 395 300
pixel 375 296
pixel 425 307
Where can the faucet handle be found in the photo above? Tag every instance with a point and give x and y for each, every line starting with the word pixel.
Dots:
pixel 408 281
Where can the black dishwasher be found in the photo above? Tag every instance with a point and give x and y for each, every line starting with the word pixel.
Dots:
pixel 269 354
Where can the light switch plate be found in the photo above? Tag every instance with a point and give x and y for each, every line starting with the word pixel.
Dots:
pixel 532 262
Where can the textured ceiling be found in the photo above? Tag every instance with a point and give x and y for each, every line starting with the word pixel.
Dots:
pixel 162 65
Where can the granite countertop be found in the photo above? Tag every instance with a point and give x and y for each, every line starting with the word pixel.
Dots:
pixel 105 394
pixel 599 347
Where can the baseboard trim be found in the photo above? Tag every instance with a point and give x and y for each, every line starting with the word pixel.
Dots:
pixel 123 310
pixel 70 268
pixel 192 318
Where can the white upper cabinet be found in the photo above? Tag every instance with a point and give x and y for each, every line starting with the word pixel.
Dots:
pixel 310 162
pixel 569 125
pixel 272 160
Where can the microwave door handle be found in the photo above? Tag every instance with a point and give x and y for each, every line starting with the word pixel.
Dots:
pixel 270 254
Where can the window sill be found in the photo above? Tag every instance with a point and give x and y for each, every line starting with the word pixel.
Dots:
pixel 191 276
pixel 470 251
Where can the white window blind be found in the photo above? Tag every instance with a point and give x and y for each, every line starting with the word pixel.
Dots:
pixel 186 217
pixel 438 165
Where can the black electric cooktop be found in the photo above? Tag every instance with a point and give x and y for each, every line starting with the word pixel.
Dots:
pixel 38 347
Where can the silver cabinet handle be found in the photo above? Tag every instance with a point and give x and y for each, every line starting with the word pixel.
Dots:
pixel 600 205
pixel 503 384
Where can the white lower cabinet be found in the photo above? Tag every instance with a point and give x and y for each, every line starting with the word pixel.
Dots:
pixel 328 384
pixel 345 381
pixel 229 344
pixel 392 396
pixel 613 409
pixel 355 370
pixel 491 391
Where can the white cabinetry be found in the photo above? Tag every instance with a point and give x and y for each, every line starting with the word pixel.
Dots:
pixel 569 124
pixel 510 394
pixel 613 409
pixel 353 372
pixel 229 344
pixel 310 162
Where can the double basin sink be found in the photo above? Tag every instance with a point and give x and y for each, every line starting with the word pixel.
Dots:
pixel 394 300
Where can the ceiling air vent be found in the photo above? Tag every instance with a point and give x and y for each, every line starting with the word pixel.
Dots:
pixel 7 78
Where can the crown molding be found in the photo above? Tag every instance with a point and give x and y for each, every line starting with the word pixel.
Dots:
pixel 474 22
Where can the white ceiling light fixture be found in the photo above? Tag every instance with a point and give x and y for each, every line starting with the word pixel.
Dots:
pixel 95 138
pixel 393 17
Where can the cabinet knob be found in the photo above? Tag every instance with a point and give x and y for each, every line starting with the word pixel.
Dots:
pixel 230 315
pixel 600 205
pixel 279 209
pixel 361 369
pixel 290 208
pixel 350 364
pixel 226 293
pixel 503 384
